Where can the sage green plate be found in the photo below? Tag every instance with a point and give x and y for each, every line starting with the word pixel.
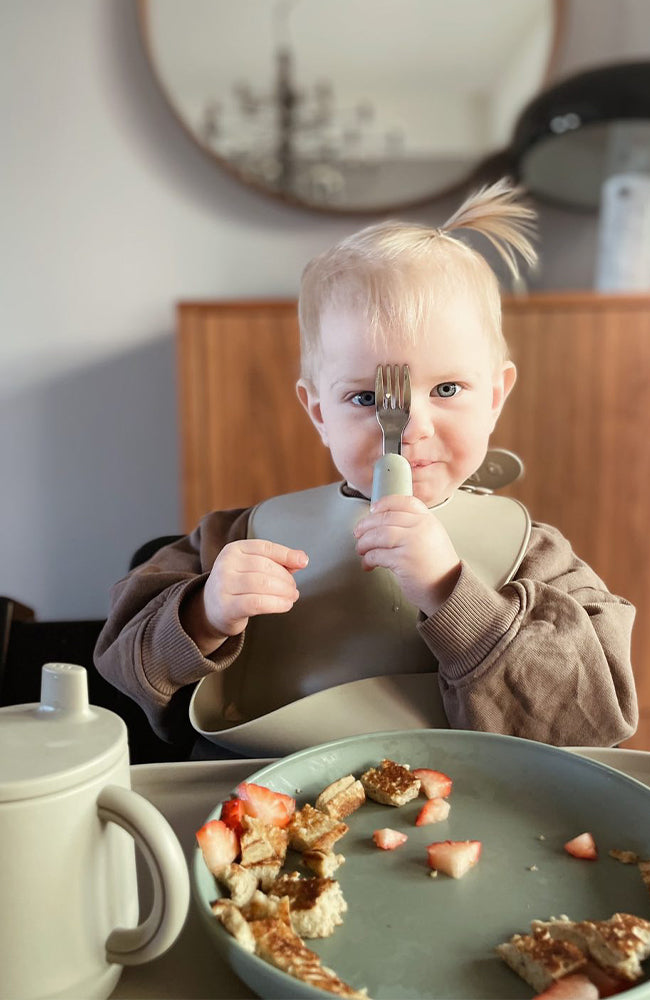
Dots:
pixel 407 935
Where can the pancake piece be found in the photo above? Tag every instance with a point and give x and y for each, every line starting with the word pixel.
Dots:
pixel 391 784
pixel 342 797
pixel 316 904
pixel 618 945
pixel 311 829
pixel 541 959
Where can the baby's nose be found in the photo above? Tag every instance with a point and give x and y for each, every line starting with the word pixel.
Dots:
pixel 420 423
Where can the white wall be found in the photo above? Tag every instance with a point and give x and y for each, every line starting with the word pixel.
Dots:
pixel 110 215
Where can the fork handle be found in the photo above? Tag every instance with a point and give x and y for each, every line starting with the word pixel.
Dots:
pixel 391 475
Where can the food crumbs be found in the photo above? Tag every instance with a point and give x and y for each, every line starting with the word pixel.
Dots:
pixel 541 837
pixel 433 874
pixel 626 857
pixel 532 868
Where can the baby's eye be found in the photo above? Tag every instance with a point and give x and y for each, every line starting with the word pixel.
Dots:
pixel 365 398
pixel 446 389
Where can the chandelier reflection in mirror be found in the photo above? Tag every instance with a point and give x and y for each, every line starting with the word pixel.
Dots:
pixel 350 105
pixel 298 140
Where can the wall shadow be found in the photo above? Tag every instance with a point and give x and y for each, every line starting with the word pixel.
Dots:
pixel 89 472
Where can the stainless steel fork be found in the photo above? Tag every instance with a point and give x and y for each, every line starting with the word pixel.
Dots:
pixel 393 404
pixel 392 472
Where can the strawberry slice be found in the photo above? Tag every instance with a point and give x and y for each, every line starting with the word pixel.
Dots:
pixel 454 857
pixel 389 839
pixel 432 812
pixel 583 846
pixel 575 987
pixel 219 845
pixel 433 784
pixel 232 812
pixel 273 808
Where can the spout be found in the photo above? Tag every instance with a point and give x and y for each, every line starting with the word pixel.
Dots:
pixel 64 688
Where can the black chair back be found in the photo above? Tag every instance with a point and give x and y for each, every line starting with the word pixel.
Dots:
pixel 27 644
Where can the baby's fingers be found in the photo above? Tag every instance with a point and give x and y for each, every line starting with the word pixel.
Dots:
pixel 251 604
pixel 264 584
pixel 291 559
pixel 381 537
pixel 385 520
pixel 240 596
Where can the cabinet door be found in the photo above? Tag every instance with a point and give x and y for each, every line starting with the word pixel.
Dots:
pixel 579 417
pixel 244 434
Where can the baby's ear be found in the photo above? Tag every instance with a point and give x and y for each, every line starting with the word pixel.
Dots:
pixel 501 386
pixel 310 399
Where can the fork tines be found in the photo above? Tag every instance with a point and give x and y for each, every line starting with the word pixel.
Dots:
pixel 393 403
pixel 398 397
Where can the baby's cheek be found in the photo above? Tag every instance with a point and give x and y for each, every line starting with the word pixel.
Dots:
pixel 471 445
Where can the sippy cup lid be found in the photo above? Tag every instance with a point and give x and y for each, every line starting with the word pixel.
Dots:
pixel 60 741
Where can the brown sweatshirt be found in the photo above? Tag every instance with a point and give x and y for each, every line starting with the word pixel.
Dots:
pixel 546 658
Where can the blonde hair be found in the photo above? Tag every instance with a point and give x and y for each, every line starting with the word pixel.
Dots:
pixel 397 274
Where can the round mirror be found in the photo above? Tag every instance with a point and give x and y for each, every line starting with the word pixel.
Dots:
pixel 351 105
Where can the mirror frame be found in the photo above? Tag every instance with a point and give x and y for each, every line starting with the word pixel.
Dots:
pixel 488 169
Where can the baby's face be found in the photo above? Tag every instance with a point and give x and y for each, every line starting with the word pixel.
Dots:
pixel 456 397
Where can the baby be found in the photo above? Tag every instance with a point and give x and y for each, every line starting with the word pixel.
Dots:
pixel 511 630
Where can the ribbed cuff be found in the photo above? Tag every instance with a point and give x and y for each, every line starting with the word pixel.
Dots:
pixel 467 627
pixel 170 658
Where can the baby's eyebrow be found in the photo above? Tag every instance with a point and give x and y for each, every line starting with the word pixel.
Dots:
pixel 454 376
pixel 354 383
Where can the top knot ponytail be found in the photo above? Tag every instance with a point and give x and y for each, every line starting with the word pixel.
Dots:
pixel 496 212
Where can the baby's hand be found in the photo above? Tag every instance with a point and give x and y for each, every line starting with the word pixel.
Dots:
pixel 249 577
pixel 403 535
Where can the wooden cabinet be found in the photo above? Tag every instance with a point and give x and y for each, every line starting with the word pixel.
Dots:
pixel 579 417
pixel 244 434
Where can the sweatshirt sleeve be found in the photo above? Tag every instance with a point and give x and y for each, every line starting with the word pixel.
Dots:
pixel 545 658
pixel 143 649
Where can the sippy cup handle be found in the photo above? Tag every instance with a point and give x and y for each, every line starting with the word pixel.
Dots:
pixel 171 888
